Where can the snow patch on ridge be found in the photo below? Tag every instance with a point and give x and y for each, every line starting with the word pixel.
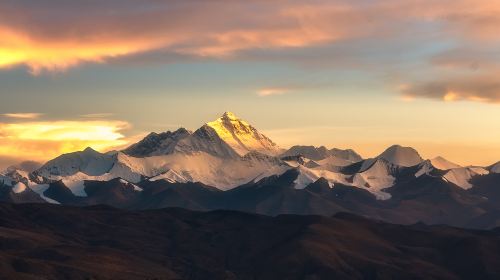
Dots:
pixel 462 176
pixel 77 187
pixel 40 189
pixel 375 179
pixel 308 176
pixel 170 176
pixel 443 164
pixel 425 168
pixel 136 188
pixel 19 187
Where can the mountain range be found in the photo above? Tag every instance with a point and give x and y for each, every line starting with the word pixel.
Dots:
pixel 229 164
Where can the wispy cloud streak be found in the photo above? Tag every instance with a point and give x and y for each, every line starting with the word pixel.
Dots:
pixel 22 115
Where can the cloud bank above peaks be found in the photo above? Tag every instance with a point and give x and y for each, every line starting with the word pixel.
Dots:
pixel 52 34
pixel 394 39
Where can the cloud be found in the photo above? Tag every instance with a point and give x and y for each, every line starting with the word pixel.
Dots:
pixel 17 48
pixel 43 140
pixel 55 35
pixel 97 115
pixel 484 58
pixel 272 91
pixel 483 88
pixel 22 115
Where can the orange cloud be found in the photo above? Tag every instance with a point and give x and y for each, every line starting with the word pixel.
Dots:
pixel 227 43
pixel 19 48
pixel 58 36
pixel 272 91
pixel 44 140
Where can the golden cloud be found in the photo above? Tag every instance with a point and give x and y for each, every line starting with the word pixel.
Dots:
pixel 272 91
pixel 23 115
pixel 17 48
pixel 44 140
pixel 97 115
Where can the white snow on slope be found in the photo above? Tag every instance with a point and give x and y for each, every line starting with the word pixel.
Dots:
pixel 332 163
pixel 425 168
pixel 308 176
pixel 40 189
pixel 170 176
pixel 293 163
pixel 89 162
pixel 19 188
pixel 273 170
pixel 375 178
pixel 77 187
pixel 479 170
pixel 227 173
pixel 201 167
pixel 136 188
pixel 461 176
pixel 436 163
pixel 495 168
pixel 443 164
pixel 214 171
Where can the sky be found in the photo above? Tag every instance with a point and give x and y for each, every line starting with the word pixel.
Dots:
pixel 355 74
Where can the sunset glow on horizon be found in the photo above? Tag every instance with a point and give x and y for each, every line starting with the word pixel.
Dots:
pixel 348 74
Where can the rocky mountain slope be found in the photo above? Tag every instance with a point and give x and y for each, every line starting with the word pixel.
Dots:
pixel 105 243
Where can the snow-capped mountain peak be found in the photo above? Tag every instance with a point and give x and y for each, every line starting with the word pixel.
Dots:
pixel 226 137
pixel 229 115
pixel 347 154
pixel 402 156
pixel 241 136
pixel 443 164
pixel 320 153
pixel 88 161
pixel 310 152
pixel 157 143
pixel 495 168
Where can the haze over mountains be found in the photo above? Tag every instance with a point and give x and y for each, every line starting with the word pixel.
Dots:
pixel 229 164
